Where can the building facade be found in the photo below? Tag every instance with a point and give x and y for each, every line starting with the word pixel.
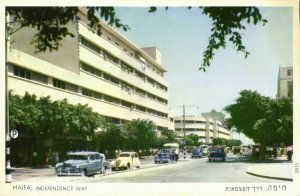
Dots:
pixel 207 128
pixel 108 72
pixel 285 82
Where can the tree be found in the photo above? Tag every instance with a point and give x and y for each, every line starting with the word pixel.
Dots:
pixel 113 137
pixel 267 121
pixel 51 25
pixel 44 124
pixel 141 134
pixel 194 138
pixel 168 135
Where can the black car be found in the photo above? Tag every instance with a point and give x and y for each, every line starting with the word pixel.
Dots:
pixel 165 156
pixel 197 153
pixel 217 154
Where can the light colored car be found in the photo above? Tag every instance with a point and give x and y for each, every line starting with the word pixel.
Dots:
pixel 82 163
pixel 126 160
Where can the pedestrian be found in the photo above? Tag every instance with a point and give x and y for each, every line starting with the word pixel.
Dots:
pixel 257 152
pixel 289 152
pixel 275 152
pixel 35 159
pixel 176 154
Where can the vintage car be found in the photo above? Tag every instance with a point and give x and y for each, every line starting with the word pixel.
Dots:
pixel 217 153
pixel 82 163
pixel 165 156
pixel 126 160
pixel 197 153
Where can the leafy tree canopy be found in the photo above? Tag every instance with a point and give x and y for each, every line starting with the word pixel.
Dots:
pixel 261 118
pixel 227 22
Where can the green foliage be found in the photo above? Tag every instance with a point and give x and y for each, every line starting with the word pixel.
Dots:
pixel 193 139
pixel 233 142
pixel 44 118
pixel 227 24
pixel 140 134
pixel 168 136
pixel 265 120
pixel 219 141
pixel 51 25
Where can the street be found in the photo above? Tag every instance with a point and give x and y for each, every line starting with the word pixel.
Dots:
pixel 185 170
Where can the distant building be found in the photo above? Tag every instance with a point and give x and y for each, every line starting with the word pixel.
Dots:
pixel 285 82
pixel 213 114
pixel 206 128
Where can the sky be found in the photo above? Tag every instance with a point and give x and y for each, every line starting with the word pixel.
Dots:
pixel 182 36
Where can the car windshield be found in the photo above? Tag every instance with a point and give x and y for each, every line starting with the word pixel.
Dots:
pixel 77 157
pixel 125 155
pixel 165 151
pixel 216 150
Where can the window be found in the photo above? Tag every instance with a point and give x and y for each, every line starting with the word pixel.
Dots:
pixel 23 73
pixel 111 99
pixel 110 57
pixel 90 69
pixel 87 92
pixel 140 91
pixel 30 75
pixel 289 72
pixel 140 75
pixel 151 96
pixel 140 108
pixel 89 45
pixel 111 79
pixel 59 84
pixel 127 104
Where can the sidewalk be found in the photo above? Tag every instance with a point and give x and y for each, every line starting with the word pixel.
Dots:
pixel 279 169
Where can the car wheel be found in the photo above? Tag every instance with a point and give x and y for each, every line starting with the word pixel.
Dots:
pixel 113 169
pixel 83 173
pixel 209 160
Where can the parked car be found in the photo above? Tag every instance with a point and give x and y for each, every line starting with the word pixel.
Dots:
pixel 196 153
pixel 82 163
pixel 165 156
pixel 217 154
pixel 126 160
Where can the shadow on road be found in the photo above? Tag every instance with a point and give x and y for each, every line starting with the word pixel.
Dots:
pixel 248 158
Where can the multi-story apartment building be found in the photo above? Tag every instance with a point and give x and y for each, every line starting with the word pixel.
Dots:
pixel 206 128
pixel 285 82
pixel 108 72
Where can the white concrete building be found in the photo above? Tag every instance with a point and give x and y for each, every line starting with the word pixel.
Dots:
pixel 111 74
pixel 206 128
pixel 285 82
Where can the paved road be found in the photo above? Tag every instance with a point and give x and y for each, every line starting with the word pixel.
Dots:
pixel 186 170
pixel 199 170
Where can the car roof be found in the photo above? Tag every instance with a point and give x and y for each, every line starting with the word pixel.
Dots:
pixel 127 152
pixel 84 153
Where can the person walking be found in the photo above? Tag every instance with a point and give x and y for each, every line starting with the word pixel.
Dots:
pixel 257 152
pixel 176 154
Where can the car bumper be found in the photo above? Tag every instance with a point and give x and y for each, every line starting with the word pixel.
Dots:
pixel 162 160
pixel 216 158
pixel 68 172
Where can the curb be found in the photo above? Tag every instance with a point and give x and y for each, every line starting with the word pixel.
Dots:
pixel 269 177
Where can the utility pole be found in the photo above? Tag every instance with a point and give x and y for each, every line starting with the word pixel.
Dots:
pixel 183 116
